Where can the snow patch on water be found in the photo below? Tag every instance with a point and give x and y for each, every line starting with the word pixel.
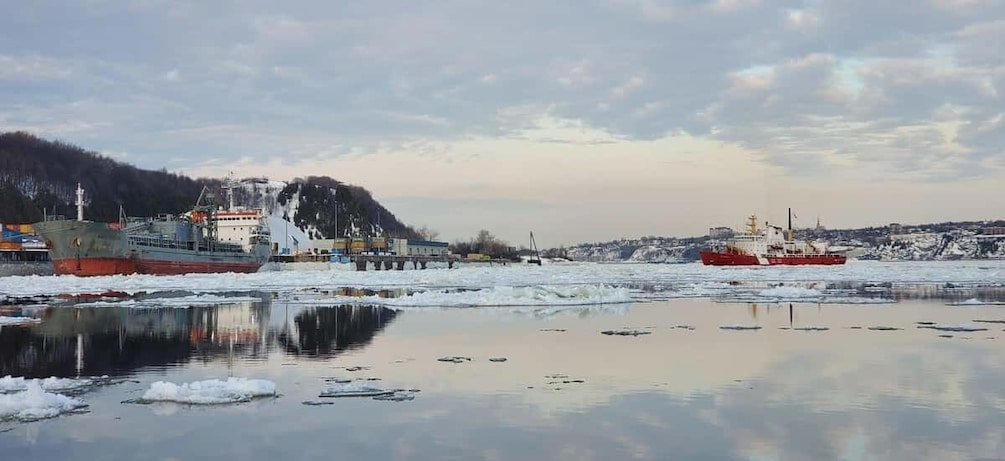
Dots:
pixel 502 296
pixel 10 384
pixel 357 388
pixel 976 302
pixel 788 292
pixel 182 302
pixel 210 391
pixel 18 320
pixel 353 389
pixel 955 328
pixel 34 403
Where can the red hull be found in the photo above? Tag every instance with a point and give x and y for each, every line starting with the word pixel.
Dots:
pixel 93 266
pixel 711 258
pixel 111 266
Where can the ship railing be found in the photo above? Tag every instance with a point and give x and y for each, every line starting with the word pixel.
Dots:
pixel 55 217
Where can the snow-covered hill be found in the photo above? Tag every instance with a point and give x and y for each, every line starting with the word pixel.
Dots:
pixel 309 206
pixel 956 244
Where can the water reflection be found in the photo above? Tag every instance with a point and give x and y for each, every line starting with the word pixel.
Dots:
pixel 325 331
pixel 89 341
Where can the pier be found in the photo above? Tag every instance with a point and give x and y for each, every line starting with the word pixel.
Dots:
pixel 377 261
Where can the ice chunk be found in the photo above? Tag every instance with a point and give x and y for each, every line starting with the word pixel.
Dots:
pixel 625 332
pixel 317 403
pixel 976 302
pixel 15 384
pixel 884 328
pixel 740 327
pixel 454 359
pixel 811 328
pixel 958 328
pixel 497 359
pixel 396 396
pixel 353 389
pixel 18 320
pixel 989 321
pixel 789 292
pixel 210 391
pixel 35 403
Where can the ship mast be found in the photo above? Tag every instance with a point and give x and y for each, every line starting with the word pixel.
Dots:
pixel 229 185
pixel 790 224
pixel 80 203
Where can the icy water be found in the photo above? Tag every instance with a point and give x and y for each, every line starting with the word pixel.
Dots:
pixel 601 362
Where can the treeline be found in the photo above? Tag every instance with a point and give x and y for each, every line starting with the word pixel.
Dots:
pixel 358 214
pixel 39 177
pixel 485 244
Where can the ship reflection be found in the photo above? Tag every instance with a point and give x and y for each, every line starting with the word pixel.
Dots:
pixel 116 341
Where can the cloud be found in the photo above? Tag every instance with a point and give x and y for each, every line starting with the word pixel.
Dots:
pixel 905 92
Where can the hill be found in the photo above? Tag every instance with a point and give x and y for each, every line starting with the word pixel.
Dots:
pixel 937 241
pixel 39 177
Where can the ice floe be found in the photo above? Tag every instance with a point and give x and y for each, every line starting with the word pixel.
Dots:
pixel 365 389
pixel 182 302
pixel 955 328
pixel 740 327
pixel 625 332
pixel 553 285
pixel 539 295
pixel 10 384
pixel 824 298
pixel 18 320
pixel 209 392
pixel 976 302
pixel 35 403
pixel 789 292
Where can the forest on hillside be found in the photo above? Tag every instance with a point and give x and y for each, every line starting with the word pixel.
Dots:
pixel 39 177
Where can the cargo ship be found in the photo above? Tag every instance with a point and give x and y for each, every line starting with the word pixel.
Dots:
pixel 770 246
pixel 164 245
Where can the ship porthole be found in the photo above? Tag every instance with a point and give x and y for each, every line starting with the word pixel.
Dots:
pixel 75 242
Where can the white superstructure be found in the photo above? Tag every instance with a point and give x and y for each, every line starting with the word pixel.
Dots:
pixel 241 226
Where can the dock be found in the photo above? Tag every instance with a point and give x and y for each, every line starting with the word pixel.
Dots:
pixel 378 261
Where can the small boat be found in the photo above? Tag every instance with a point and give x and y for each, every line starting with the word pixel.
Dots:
pixel 163 245
pixel 770 246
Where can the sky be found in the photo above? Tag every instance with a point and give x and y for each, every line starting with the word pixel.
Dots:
pixel 579 120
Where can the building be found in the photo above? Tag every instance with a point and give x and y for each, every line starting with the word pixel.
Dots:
pixel 407 247
pixel 720 232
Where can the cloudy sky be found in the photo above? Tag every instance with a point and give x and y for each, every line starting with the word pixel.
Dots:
pixel 580 120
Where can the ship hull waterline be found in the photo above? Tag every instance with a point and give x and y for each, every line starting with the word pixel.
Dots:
pixel 86 267
pixel 712 258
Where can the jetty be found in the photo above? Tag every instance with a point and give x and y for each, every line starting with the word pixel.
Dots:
pixel 377 261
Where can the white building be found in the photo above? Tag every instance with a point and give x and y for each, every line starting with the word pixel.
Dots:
pixel 406 247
